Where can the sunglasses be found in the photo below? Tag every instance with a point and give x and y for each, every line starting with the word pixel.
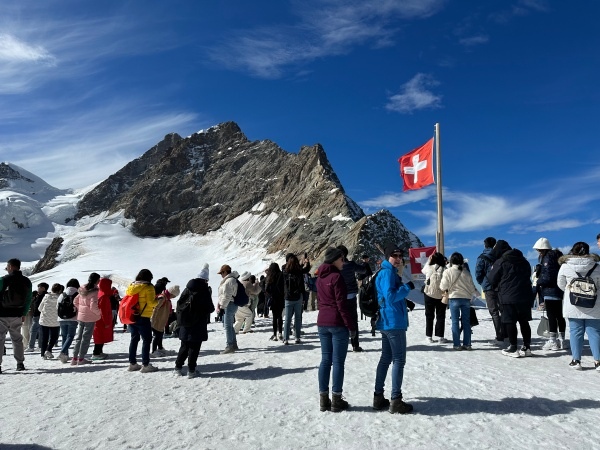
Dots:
pixel 396 255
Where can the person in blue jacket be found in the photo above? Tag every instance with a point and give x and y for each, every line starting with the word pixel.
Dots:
pixel 392 323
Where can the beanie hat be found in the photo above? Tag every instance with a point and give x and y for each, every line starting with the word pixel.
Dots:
pixel 174 290
pixel 542 244
pixel 392 248
pixel 204 272
pixel 332 254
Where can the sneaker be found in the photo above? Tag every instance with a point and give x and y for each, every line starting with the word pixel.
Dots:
pixel 357 349
pixel 192 374
pixel 562 344
pixel 511 351
pixel 467 347
pixel 286 342
pixel 149 368
pixel 551 344
pixel 298 341
pixel 280 336
pixel 524 352
pixel 100 357
pixel 442 340
pixel 273 338
pixel 576 364
pixel 134 367
pixel 178 371
pixel 430 340
pixel 48 355
pixel 157 353
pixel 74 361
pixel 20 367
pixel 83 362
pixel 30 350
pixel 597 366
pixel 228 350
pixel 459 348
pixel 63 358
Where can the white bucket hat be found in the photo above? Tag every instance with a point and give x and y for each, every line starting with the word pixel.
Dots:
pixel 245 276
pixel 542 244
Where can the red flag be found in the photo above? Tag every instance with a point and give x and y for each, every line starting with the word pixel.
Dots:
pixel 416 167
pixel 418 258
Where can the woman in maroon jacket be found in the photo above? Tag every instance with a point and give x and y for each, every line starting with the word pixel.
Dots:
pixel 335 327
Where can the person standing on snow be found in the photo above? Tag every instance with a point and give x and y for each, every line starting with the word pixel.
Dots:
pixel 349 272
pixel 227 290
pixel 482 268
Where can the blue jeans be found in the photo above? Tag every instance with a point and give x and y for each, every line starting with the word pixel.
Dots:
pixel 460 311
pixel 393 348
pixel 293 308
pixel 334 348
pixel 35 332
pixel 143 329
pixel 228 320
pixel 67 332
pixel 578 327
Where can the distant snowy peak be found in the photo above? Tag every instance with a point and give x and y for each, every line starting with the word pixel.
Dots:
pixel 16 179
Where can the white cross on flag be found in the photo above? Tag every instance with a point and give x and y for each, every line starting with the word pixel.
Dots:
pixel 416 167
pixel 419 257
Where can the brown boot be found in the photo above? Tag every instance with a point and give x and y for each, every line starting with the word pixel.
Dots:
pixel 324 402
pixel 397 406
pixel 338 403
pixel 380 402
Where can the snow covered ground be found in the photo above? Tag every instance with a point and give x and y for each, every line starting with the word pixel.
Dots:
pixel 266 396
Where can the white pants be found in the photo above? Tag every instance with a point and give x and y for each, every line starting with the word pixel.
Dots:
pixel 243 316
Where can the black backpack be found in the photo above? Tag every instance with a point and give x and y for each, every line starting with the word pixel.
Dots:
pixel 193 307
pixel 295 286
pixel 66 307
pixel 240 298
pixel 367 297
pixel 13 298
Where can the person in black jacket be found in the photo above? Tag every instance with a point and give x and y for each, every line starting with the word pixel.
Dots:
pixel 35 332
pixel 510 275
pixel 15 300
pixel 193 308
pixel 349 271
pixel 275 297
pixel 482 267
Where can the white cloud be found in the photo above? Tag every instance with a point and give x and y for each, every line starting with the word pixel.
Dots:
pixel 324 28
pixel 415 95
pixel 554 225
pixel 474 40
pixel 396 199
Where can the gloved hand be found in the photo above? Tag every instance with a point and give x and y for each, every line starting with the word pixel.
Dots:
pixel 410 304
pixel 411 285
pixel 352 334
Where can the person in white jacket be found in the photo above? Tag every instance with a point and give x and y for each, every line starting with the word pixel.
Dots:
pixel 227 290
pixel 459 284
pixel 244 315
pixel 49 321
pixel 432 296
pixel 578 263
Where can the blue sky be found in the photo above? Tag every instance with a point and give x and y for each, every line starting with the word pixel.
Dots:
pixel 86 87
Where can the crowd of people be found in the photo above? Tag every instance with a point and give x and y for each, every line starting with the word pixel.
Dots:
pixel 80 313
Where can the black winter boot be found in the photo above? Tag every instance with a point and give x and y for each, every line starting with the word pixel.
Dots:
pixel 324 402
pixel 380 402
pixel 338 403
pixel 397 406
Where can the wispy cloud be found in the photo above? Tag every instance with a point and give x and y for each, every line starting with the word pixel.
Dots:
pixel 323 28
pixel 396 199
pixel 472 41
pixel 554 225
pixel 415 95
pixel 521 8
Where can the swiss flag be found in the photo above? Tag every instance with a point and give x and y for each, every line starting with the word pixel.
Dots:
pixel 419 257
pixel 416 167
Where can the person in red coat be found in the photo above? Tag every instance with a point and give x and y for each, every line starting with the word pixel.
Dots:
pixel 103 331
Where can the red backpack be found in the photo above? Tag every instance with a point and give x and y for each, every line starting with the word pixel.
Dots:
pixel 129 309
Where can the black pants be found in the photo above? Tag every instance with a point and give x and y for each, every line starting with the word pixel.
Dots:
pixel 434 309
pixel 354 313
pixel 157 342
pixel 98 349
pixel 277 320
pixel 556 321
pixel 493 305
pixel 511 330
pixel 49 338
pixel 188 350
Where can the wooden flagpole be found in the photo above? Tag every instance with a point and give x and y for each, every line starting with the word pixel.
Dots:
pixel 439 238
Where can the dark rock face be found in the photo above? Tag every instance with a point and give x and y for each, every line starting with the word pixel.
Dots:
pixel 49 260
pixel 199 183
pixel 8 173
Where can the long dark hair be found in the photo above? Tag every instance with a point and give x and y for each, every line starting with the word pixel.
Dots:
pixel 437 258
pixel 92 281
pixel 273 273
pixel 580 249
pixel 292 264
pixel 144 275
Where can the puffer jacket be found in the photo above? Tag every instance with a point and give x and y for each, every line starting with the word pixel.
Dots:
pixel 433 278
pixel 227 290
pixel 458 283
pixel 546 282
pixel 482 267
pixel 147 297
pixel 391 295
pixel 87 305
pixel 570 264
pixel 510 274
pixel 103 331
pixel 48 310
